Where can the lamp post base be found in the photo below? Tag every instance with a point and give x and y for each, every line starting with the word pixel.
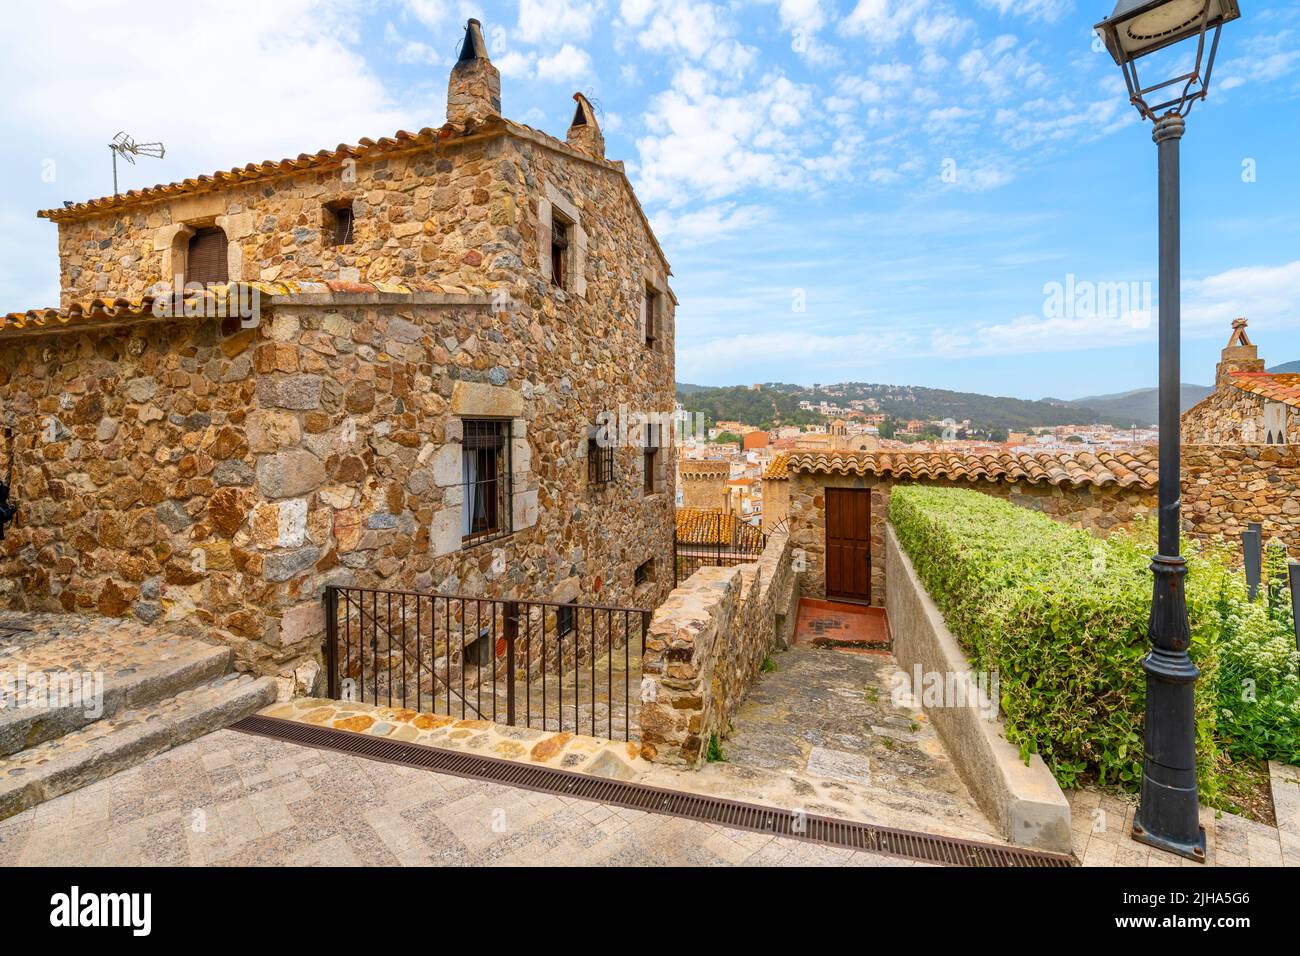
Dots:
pixel 1193 851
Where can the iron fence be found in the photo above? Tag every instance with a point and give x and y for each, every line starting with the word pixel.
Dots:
pixel 540 664
pixel 716 539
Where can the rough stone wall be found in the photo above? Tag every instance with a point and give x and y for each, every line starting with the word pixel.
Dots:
pixel 1232 416
pixel 705 648
pixel 173 472
pixel 442 215
pixel 776 504
pixel 1097 509
pixel 1227 487
pixel 704 491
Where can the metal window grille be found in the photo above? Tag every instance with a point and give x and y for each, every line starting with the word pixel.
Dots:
pixel 643 572
pixel 600 462
pixel 564 618
pixel 487 480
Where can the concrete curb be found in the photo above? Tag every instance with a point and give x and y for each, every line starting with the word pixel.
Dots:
pixel 1025 802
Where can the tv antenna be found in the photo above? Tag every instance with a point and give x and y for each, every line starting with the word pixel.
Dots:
pixel 124 146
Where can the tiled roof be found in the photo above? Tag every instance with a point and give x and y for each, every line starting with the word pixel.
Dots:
pixel 776 468
pixel 110 311
pixel 1281 387
pixel 1125 469
pixel 400 141
pixel 705 526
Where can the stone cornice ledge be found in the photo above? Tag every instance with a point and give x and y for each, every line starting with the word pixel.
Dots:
pixel 378 298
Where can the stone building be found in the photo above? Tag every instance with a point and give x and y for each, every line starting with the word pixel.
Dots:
pixel 703 483
pixel 1249 406
pixel 438 320
pixel 837 503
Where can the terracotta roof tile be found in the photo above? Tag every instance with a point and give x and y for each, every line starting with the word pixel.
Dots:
pixel 776 468
pixel 1281 387
pixel 713 526
pixel 1104 468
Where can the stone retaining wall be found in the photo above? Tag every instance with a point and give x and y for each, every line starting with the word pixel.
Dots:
pixel 705 647
pixel 1024 801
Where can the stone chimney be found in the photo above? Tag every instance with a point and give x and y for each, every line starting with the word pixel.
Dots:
pixel 1240 355
pixel 584 131
pixel 474 91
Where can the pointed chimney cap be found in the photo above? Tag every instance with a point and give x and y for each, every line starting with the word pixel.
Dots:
pixel 473 48
pixel 1239 336
pixel 584 115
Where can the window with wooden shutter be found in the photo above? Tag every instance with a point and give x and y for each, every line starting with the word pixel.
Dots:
pixel 559 250
pixel 206 260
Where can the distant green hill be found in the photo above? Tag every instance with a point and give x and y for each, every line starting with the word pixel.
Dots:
pixel 1288 367
pixel 779 402
pixel 1139 406
pixel 740 403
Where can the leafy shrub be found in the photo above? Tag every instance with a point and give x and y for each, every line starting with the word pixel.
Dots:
pixel 1259 676
pixel 1061 616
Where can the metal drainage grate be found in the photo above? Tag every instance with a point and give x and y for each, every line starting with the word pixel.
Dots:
pixel 846 834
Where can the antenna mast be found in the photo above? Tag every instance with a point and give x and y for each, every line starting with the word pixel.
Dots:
pixel 124 146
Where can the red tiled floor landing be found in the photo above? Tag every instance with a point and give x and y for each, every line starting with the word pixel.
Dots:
pixel 829 624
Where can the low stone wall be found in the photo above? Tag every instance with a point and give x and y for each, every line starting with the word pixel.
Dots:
pixel 1025 802
pixel 705 647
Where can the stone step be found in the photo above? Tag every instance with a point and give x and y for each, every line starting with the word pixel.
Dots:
pixel 107 746
pixel 135 673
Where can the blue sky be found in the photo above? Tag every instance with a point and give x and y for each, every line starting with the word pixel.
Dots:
pixel 875 190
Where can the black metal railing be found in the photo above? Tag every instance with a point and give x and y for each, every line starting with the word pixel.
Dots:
pixel 716 539
pixel 539 664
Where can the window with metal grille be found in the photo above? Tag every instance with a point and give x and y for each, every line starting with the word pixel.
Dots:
pixel 600 462
pixel 339 223
pixel 559 249
pixel 205 261
pixel 651 315
pixel 565 616
pixel 486 474
pixel 645 571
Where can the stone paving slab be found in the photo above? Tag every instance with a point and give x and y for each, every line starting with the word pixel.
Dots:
pixel 111 744
pixel 1101 823
pixel 836 795
pixel 231 799
pixel 133 664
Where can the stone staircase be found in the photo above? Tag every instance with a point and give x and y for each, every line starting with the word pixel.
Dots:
pixel 82 698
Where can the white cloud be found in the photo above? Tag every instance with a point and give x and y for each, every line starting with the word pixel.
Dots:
pixel 1266 295
pixel 882 22
pixel 280 79
pixel 707 142
pixel 1049 10
pixel 705 225
pixel 730 357
pixel 565 64
pixel 547 22
pixel 702 31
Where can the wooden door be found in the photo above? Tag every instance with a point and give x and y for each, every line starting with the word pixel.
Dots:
pixel 848 544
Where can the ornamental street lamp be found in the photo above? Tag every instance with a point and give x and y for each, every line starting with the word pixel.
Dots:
pixel 1168 816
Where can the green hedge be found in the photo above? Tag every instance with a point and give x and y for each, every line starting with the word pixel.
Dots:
pixel 1061 617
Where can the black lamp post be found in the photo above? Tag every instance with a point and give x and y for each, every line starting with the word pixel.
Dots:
pixel 1168 816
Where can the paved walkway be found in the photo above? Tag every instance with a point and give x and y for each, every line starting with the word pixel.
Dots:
pixel 235 799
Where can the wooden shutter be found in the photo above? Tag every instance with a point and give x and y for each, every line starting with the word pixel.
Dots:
pixel 206 262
